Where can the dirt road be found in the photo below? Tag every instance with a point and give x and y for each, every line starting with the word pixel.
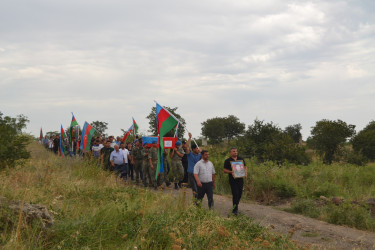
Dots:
pixel 306 231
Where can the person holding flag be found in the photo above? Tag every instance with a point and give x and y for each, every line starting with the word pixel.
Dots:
pixel 193 156
pixel 165 121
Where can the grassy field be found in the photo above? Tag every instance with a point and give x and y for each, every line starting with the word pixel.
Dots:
pixel 94 210
pixel 305 186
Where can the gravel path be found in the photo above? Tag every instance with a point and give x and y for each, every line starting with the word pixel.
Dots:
pixel 304 230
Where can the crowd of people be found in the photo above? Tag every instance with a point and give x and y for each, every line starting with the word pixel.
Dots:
pixel 137 162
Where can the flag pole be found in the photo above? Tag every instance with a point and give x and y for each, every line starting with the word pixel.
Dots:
pixel 177 120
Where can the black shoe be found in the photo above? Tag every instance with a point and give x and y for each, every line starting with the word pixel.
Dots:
pixel 235 212
pixel 167 183
pixel 180 184
pixel 175 186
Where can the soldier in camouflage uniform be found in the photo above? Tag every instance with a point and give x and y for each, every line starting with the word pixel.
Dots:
pixel 178 171
pixel 164 176
pixel 145 166
pixel 153 161
pixel 137 159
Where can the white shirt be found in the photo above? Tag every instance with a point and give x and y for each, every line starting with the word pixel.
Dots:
pixel 126 153
pixel 204 170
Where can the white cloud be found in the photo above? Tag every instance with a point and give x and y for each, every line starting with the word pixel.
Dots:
pixel 284 61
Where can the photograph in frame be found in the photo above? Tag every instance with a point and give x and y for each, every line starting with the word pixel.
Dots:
pixel 238 169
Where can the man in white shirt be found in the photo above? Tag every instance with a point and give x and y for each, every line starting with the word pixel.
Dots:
pixel 204 174
pixel 118 162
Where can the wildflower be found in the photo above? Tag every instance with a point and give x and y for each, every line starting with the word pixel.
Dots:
pixel 179 241
pixel 173 236
pixel 266 243
pixel 176 247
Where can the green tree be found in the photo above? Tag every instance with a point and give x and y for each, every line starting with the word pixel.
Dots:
pixel 153 127
pixel 12 142
pixel 218 128
pixel 328 136
pixel 364 141
pixel 268 142
pixel 294 131
pixel 100 127
pixel 214 130
pixel 233 127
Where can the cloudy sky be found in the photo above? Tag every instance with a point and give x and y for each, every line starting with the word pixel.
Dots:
pixel 283 61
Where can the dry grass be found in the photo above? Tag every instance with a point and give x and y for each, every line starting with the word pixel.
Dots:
pixel 94 209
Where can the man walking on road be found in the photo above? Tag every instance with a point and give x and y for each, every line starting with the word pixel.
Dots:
pixel 193 157
pixel 236 184
pixel 117 159
pixel 204 174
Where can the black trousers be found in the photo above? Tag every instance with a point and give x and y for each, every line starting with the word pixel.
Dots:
pixel 207 188
pixel 236 185
pixel 193 184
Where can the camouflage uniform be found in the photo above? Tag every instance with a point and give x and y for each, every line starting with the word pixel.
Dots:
pixel 138 160
pixel 106 153
pixel 145 166
pixel 164 176
pixel 177 168
pixel 153 155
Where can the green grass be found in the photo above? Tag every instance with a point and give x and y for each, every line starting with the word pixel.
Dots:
pixel 94 210
pixel 269 182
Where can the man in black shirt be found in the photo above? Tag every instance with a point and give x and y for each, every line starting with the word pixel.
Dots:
pixel 105 154
pixel 56 144
pixel 235 184
pixel 184 164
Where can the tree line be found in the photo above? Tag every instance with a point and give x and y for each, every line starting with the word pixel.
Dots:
pixel 332 140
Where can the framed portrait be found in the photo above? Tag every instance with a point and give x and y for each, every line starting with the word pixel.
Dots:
pixel 238 169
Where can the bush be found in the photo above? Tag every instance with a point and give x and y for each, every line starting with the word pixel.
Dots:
pixel 351 215
pixel 355 158
pixel 267 142
pixel 12 142
pixel 364 141
pixel 305 207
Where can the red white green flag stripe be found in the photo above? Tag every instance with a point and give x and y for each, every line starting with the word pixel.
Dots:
pixel 165 122
pixel 135 127
pixel 87 134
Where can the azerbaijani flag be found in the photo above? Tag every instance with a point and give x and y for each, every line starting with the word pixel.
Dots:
pixel 77 137
pixel 62 137
pixel 72 124
pixel 127 133
pixel 87 134
pixel 165 122
pixel 41 133
pixel 135 127
pixel 74 121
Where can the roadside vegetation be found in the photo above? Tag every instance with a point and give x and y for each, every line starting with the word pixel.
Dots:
pixel 340 193
pixel 92 209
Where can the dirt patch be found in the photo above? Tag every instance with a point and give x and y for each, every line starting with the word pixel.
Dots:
pixel 304 230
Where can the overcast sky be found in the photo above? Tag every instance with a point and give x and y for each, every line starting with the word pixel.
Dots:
pixel 283 61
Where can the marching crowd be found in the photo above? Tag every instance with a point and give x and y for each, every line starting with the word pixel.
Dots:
pixel 137 162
